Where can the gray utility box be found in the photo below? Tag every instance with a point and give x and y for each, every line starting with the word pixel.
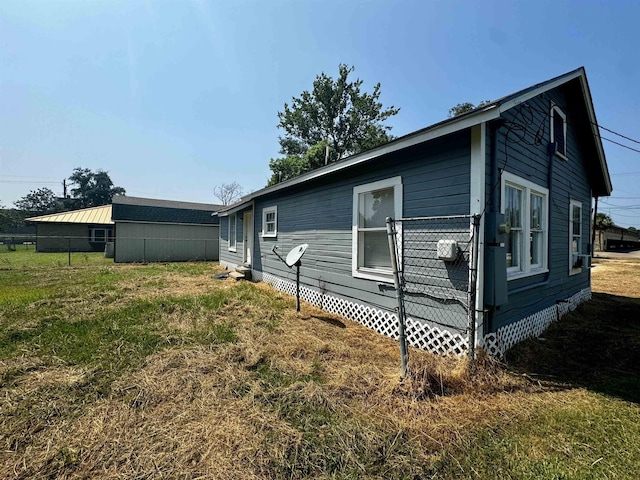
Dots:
pixel 495 282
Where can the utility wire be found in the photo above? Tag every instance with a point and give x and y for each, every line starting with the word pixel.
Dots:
pixel 620 144
pixel 616 133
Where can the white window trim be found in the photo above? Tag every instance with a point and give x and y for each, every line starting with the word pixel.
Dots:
pixel 527 187
pixel 555 108
pixel 232 246
pixel 574 203
pixel 379 275
pixel 265 211
pixel 106 234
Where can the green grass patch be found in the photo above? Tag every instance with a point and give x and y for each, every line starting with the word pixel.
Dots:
pixel 32 259
pixel 591 437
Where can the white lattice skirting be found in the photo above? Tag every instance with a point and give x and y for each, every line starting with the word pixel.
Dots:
pixel 506 337
pixel 419 335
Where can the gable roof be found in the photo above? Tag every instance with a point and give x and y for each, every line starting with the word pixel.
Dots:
pixel 491 111
pixel 137 209
pixel 93 215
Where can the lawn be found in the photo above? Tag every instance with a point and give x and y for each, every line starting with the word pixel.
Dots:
pixel 160 371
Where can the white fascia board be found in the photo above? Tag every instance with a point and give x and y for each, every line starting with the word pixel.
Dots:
pixel 537 91
pixel 596 133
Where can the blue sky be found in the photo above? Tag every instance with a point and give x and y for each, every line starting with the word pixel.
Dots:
pixel 175 97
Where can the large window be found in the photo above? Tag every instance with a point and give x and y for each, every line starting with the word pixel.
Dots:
pixel 372 204
pixel 270 222
pixel 525 206
pixel 559 131
pixel 575 237
pixel 233 225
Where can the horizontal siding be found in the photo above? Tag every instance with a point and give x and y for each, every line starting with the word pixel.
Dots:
pixel 227 257
pixel 435 179
pixel 150 242
pixel 529 159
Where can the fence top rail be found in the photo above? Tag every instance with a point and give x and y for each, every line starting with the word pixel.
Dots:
pixel 450 217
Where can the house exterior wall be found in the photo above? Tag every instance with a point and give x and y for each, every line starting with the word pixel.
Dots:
pixel 165 242
pixel 62 237
pixel 522 150
pixel 435 181
pixel 232 258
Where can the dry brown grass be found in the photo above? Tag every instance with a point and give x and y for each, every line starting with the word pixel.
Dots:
pixel 294 392
pixel 617 276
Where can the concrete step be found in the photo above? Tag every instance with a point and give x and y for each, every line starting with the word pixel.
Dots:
pixel 245 271
pixel 237 276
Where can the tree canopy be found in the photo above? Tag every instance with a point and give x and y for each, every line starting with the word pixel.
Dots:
pixel 603 220
pixel 93 189
pixel 41 201
pixel 334 120
pixel 465 107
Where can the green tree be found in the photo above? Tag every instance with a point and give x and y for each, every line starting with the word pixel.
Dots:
pixel 41 201
pixel 603 220
pixel 465 107
pixel 93 189
pixel 334 120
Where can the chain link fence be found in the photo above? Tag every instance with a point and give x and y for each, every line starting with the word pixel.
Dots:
pixel 436 260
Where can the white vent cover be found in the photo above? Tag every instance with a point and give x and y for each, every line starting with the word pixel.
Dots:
pixel 447 250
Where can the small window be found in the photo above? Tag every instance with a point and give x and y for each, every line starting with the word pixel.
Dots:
pixel 270 222
pixel 233 223
pixel 525 206
pixel 576 259
pixel 372 204
pixel 559 132
pixel 101 235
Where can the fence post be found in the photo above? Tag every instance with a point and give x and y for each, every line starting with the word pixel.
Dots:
pixel 471 289
pixel 69 249
pixel 404 355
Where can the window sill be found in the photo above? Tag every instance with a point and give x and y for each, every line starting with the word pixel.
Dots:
pixel 232 249
pixel 531 273
pixel 562 156
pixel 269 235
pixel 575 271
pixel 375 275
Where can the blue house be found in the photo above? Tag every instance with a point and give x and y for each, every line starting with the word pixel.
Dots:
pixel 527 166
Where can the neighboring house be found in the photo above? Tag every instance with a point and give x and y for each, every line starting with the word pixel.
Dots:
pixel 531 161
pixel 151 230
pixel 85 230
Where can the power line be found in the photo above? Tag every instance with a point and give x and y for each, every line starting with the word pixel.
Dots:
pixel 616 133
pixel 620 144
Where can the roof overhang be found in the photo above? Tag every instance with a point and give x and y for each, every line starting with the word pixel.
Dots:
pixel 480 115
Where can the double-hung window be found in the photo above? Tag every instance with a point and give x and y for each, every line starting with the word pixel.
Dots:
pixel 526 207
pixel 372 204
pixel 233 225
pixel 575 237
pixel 270 222
pixel 558 131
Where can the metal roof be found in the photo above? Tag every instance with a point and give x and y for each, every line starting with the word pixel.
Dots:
pixel 94 215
